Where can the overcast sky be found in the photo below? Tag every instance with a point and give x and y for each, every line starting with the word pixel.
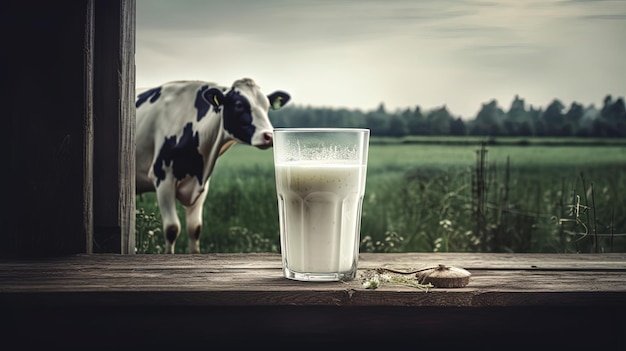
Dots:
pixel 403 53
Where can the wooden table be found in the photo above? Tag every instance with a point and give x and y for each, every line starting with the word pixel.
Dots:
pixel 512 301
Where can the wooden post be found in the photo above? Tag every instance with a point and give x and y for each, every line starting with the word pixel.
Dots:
pixel 47 60
pixel 68 95
pixel 114 110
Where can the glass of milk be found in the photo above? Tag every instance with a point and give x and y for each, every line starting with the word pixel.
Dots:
pixel 320 183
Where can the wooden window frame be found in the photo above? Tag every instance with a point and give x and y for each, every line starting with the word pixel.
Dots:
pixel 70 75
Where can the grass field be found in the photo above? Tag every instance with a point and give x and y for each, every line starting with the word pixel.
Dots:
pixel 431 194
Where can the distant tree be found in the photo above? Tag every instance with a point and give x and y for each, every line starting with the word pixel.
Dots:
pixel 573 118
pixel 306 118
pixel 279 118
pixel 511 127
pixel 612 121
pixel 619 111
pixel 407 114
pixel 378 121
pixel 575 113
pixel 458 127
pixel 540 128
pixel 517 120
pixel 397 126
pixel 606 106
pixel 517 111
pixel 416 122
pixel 520 120
pixel 489 120
pixel 351 119
pixel 381 109
pixel 554 119
pixel 291 116
pixel 525 129
pixel 439 121
pixel 600 128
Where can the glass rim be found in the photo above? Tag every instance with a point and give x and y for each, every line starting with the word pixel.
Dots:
pixel 318 129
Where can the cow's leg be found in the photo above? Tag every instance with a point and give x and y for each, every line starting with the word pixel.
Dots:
pixel 166 196
pixel 194 222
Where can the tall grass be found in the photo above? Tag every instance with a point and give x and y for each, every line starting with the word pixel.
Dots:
pixel 433 198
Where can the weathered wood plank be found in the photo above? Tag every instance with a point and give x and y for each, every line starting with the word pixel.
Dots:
pixel 256 279
pixel 157 300
pixel 407 261
pixel 477 261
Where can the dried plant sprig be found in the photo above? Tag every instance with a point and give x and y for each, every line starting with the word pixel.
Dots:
pixel 374 278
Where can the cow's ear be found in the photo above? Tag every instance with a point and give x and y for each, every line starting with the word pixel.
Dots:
pixel 278 99
pixel 214 97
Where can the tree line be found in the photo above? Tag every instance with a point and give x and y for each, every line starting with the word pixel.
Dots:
pixel 520 120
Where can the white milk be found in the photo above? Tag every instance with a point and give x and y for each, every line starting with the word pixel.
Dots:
pixel 320 214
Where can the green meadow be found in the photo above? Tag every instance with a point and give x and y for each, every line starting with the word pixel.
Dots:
pixel 434 194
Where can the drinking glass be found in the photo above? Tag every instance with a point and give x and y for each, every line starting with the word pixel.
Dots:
pixel 320 183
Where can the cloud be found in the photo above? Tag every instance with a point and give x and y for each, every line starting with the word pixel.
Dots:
pixel 357 54
pixel 611 17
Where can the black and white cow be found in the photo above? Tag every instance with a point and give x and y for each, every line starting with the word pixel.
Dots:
pixel 182 128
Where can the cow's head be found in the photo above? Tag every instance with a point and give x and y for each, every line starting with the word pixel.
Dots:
pixel 245 111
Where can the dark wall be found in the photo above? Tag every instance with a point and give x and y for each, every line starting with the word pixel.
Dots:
pixel 44 71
